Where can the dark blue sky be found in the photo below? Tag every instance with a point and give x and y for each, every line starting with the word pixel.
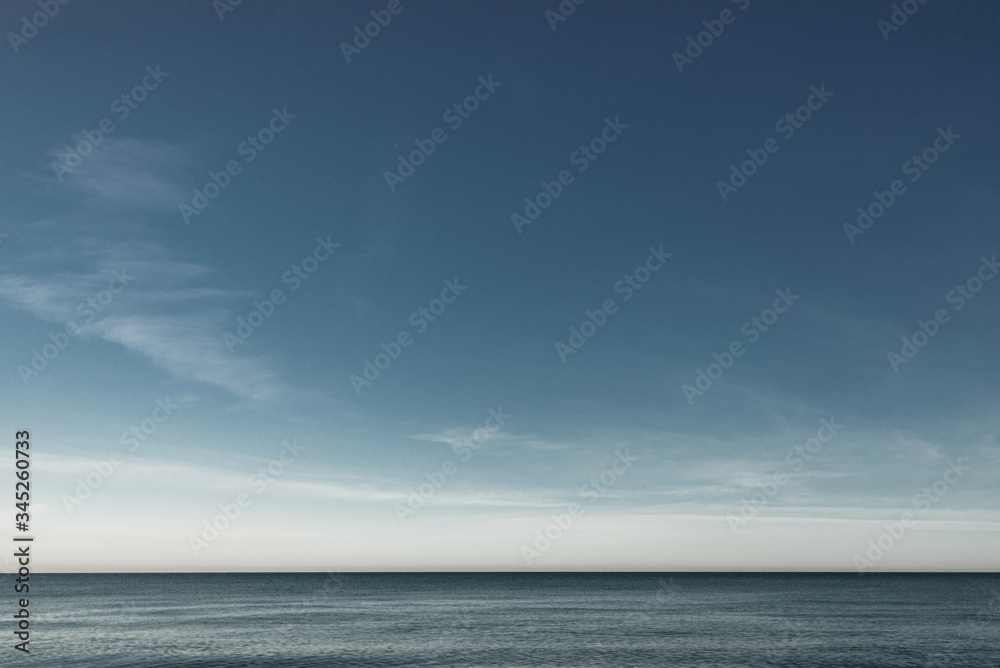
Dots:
pixel 276 73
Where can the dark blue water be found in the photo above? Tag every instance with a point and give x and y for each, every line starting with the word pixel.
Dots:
pixel 530 620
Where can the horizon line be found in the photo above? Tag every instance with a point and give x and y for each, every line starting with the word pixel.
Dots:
pixel 521 572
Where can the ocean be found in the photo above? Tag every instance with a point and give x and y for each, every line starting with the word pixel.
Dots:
pixel 530 620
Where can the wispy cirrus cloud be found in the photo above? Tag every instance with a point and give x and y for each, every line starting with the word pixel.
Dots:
pixel 153 276
pixel 162 315
pixel 51 301
pixel 129 173
pixel 455 438
pixel 452 437
pixel 190 348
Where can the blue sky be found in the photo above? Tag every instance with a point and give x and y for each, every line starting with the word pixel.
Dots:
pixel 307 137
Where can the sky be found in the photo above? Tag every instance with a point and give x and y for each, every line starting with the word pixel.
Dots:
pixel 634 286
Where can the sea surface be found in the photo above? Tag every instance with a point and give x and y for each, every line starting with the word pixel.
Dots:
pixel 531 620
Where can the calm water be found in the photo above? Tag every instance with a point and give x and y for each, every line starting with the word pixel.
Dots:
pixel 530 620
